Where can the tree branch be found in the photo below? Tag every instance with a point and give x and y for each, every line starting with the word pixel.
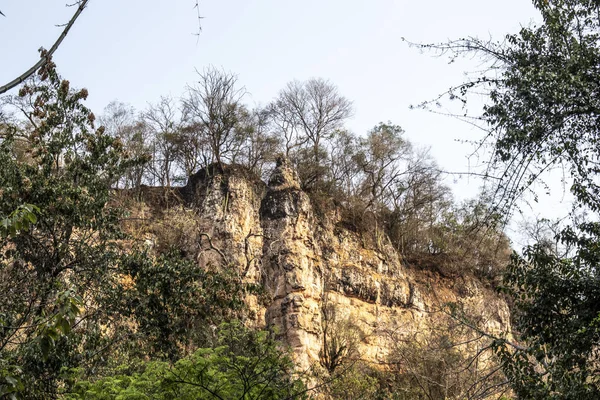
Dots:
pixel 45 57
pixel 212 247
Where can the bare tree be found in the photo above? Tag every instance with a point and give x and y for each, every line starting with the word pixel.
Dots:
pixel 383 160
pixel 161 121
pixel 117 117
pixel 285 124
pixel 309 113
pixel 444 360
pixel 260 146
pixel 192 150
pixel 214 103
pixel 119 120
pixel 341 337
pixel 316 108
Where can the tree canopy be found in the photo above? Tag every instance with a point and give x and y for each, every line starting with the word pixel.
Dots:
pixel 543 112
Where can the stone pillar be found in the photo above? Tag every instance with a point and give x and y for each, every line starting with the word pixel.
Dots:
pixel 291 269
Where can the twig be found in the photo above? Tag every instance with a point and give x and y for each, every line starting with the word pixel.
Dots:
pixel 200 18
pixel 45 56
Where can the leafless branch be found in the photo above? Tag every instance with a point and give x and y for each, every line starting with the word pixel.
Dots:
pixel 45 56
pixel 200 18
pixel 212 247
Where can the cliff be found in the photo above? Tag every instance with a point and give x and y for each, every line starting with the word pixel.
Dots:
pixel 315 270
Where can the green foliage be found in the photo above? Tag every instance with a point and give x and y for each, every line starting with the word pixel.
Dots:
pixel 558 317
pixel 174 302
pixel 355 382
pixel 543 113
pixel 244 364
pixel 545 108
pixel 78 295
pixel 61 165
pixel 75 294
pixel 19 220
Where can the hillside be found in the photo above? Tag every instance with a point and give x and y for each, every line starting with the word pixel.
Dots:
pixel 324 282
pixel 351 273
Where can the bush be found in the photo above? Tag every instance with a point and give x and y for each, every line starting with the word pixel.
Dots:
pixel 245 364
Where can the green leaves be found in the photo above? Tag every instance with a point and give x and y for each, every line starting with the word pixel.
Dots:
pixel 19 220
pixel 244 364
pixel 58 232
pixel 544 112
pixel 10 383
pixel 556 314
pixel 51 329
pixel 174 301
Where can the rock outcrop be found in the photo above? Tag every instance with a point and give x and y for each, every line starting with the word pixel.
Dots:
pixel 270 232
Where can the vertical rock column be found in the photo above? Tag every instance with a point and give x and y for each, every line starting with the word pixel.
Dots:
pixel 291 270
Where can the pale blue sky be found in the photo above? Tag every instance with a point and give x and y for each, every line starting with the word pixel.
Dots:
pixel 138 50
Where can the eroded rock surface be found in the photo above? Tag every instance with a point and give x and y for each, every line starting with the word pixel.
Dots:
pixel 270 232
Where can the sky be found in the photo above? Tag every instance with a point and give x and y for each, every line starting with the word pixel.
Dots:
pixel 135 51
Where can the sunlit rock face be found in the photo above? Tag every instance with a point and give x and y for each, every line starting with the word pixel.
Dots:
pixel 271 234
pixel 292 264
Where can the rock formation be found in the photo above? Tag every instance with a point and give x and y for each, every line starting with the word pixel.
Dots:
pixel 270 232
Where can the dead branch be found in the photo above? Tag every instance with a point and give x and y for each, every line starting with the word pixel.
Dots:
pixel 211 246
pixel 45 56
pixel 246 250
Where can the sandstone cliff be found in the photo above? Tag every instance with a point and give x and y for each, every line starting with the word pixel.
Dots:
pixel 271 233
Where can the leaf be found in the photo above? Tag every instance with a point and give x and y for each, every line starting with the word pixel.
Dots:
pixel 64 326
pixel 11 380
pixel 31 217
pixel 52 333
pixel 45 345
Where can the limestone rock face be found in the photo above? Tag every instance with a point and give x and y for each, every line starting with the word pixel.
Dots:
pixel 272 235
pixel 292 268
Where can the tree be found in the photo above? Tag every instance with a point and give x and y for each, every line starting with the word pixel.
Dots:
pixel 260 148
pixel 283 118
pixel 417 204
pixel 46 56
pixel 120 122
pixel 175 304
pixel 77 293
pixel 542 112
pixel 341 338
pixel 245 364
pixel 192 151
pixel 382 158
pixel 343 148
pixel 214 103
pixel 49 272
pixel 309 112
pixel 443 360
pixel 163 124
